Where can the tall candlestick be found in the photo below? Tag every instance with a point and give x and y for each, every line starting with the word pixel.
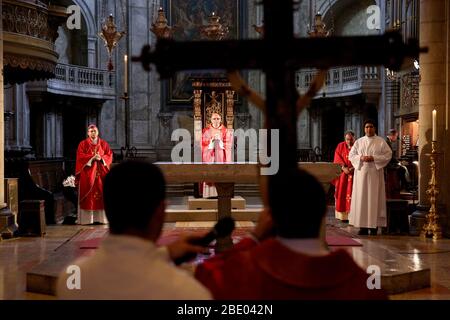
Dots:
pixel 125 80
pixel 434 126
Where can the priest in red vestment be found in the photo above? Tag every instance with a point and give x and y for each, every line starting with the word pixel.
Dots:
pixel 344 184
pixel 216 147
pixel 285 258
pixel 94 158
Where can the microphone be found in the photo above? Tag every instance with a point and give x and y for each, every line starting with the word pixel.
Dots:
pixel 224 227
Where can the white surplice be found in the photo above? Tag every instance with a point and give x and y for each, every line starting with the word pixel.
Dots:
pixel 368 206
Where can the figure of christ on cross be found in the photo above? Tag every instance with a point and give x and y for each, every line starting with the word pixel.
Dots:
pixel 279 54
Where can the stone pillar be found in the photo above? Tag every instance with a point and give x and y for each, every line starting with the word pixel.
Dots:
pixel 433 94
pixel 92 50
pixel 7 222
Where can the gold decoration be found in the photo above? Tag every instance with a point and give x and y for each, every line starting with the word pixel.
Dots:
pixel 111 37
pixel 432 227
pixel 214 30
pixel 230 108
pixel 26 62
pixel 213 106
pixel 319 28
pixel 161 29
pixel 197 104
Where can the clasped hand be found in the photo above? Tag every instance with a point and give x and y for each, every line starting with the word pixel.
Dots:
pixel 367 158
pixel 97 156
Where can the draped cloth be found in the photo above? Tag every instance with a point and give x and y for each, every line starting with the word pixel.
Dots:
pixel 215 151
pixel 89 175
pixel 343 184
pixel 368 206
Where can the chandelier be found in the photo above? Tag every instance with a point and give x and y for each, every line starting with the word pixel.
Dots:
pixel 111 38
pixel 214 30
pixel 160 27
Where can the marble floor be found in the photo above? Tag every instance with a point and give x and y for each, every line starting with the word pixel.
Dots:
pixel 17 256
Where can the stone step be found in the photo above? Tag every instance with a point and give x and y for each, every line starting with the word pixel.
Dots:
pixel 174 215
pixel 187 189
pixel 201 203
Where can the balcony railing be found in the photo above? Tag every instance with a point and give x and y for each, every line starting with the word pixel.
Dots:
pixel 78 81
pixel 342 81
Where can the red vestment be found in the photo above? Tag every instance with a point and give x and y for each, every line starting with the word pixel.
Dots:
pixel 271 271
pixel 343 184
pixel 214 150
pixel 90 177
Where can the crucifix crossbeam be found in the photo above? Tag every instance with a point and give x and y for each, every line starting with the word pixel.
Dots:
pixel 170 56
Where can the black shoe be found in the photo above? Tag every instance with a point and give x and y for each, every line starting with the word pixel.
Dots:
pixel 97 223
pixel 363 232
pixel 70 220
pixel 373 231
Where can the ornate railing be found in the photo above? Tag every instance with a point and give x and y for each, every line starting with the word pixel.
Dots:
pixel 80 81
pixel 84 76
pixel 342 81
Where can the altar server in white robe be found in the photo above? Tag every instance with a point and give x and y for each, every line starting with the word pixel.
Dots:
pixel 369 155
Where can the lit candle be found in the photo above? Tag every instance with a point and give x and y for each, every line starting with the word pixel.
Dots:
pixel 434 126
pixel 125 80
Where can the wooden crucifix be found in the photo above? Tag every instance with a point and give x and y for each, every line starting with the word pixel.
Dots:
pixel 279 54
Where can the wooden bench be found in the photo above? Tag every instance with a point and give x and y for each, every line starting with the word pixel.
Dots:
pixel 41 180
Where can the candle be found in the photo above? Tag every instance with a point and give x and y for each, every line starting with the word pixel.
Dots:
pixel 434 126
pixel 125 80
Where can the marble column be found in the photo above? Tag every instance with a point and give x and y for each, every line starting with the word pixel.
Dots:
pixel 6 217
pixel 433 94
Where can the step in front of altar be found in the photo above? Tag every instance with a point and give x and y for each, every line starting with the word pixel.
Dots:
pixel 174 215
pixel 399 273
pixel 203 204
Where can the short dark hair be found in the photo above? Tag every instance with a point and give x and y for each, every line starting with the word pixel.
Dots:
pixel 132 191
pixel 350 132
pixel 369 121
pixel 298 204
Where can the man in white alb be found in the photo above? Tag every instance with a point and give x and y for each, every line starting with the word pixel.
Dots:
pixel 369 155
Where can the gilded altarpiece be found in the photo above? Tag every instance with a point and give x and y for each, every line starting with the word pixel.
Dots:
pixel 187 18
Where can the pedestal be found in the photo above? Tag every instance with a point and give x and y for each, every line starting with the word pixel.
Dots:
pixel 8 226
pixel 32 218
pixel 224 192
pixel 418 219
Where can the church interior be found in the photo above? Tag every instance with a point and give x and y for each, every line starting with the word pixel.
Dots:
pixel 69 64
